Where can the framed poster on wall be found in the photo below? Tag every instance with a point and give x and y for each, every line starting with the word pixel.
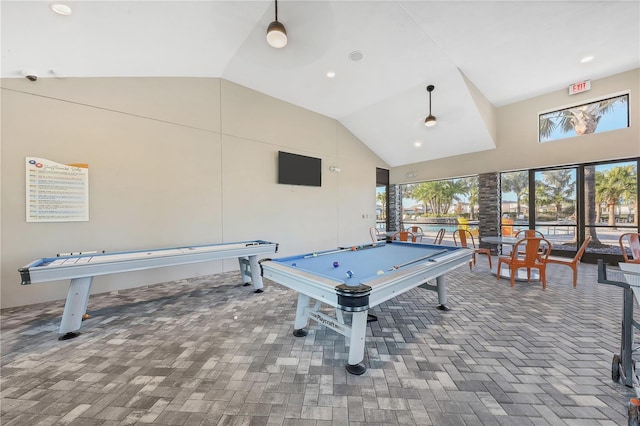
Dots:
pixel 56 192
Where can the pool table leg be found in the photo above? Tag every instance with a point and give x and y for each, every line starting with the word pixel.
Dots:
pixel 356 343
pixel 301 317
pixel 441 288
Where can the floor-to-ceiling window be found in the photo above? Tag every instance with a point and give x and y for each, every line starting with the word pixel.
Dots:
pixel 555 202
pixel 382 199
pixel 569 203
pixel 515 202
pixel 611 201
pixel 438 204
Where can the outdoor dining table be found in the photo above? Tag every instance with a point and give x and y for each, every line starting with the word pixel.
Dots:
pixel 499 240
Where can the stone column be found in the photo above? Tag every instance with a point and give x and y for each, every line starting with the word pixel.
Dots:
pixel 395 208
pixel 489 207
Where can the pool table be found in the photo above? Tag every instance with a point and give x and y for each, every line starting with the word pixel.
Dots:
pixel 80 268
pixel 354 279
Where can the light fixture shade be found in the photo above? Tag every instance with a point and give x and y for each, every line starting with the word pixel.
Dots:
pixel 276 35
pixel 430 121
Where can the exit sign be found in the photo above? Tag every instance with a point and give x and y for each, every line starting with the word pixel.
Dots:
pixel 583 86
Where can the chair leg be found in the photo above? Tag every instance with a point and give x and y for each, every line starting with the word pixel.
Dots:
pixel 513 275
pixel 543 277
pixel 575 275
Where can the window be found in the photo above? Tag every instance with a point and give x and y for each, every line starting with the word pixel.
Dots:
pixel 515 202
pixel 594 117
pixel 611 198
pixel 570 203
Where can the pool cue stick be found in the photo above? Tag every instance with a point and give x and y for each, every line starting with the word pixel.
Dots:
pixel 325 253
pixel 418 259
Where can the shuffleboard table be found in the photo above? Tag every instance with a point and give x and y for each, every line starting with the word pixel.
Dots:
pixel 358 278
pixel 82 267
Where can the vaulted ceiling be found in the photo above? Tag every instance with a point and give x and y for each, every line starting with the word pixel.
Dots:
pixel 477 54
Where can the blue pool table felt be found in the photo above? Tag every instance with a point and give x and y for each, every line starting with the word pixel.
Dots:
pixel 364 263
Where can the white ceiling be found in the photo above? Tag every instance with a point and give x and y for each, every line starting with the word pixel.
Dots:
pixel 509 50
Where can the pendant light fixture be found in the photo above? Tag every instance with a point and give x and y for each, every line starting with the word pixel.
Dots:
pixel 430 120
pixel 276 33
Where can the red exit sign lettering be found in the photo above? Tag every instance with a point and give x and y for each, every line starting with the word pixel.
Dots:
pixel 583 86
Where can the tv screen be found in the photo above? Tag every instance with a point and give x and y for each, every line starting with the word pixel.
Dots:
pixel 294 169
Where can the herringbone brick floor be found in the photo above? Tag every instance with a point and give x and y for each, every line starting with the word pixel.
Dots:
pixel 207 351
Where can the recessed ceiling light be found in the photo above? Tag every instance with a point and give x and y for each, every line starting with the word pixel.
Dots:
pixel 356 55
pixel 417 144
pixel 586 59
pixel 61 8
pixel 331 74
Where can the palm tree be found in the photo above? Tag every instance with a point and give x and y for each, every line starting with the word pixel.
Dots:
pixel 591 205
pixel 438 194
pixel 472 189
pixel 517 182
pixel 381 197
pixel 614 186
pixel 582 119
pixel 558 185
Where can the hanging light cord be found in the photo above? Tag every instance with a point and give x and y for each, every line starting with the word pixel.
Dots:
pixel 276 10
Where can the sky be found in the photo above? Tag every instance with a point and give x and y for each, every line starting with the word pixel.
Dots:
pixel 617 118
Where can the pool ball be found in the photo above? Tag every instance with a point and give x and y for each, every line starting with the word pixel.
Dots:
pixel 315 254
pixel 336 264
pixel 380 272
pixel 353 248
pixel 349 274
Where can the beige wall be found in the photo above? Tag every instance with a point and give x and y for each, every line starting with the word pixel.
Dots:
pixel 173 161
pixel 517 137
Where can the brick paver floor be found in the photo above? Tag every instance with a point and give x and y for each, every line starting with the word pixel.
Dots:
pixel 208 351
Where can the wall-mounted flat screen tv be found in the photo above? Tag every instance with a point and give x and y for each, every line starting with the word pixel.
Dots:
pixel 295 169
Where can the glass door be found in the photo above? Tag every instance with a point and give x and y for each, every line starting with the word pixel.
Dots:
pixel 556 207
pixel 611 206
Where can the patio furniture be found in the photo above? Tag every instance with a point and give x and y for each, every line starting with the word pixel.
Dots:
pixel 463 223
pixel 417 231
pixel 404 236
pixel 571 262
pixel 466 239
pixel 439 236
pixel 632 241
pixel 377 235
pixel 524 233
pixel 530 253
pixel 507 227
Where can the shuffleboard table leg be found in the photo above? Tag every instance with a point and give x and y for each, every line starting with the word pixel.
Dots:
pixel 245 270
pixel 67 336
pixel 75 307
pixel 256 277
